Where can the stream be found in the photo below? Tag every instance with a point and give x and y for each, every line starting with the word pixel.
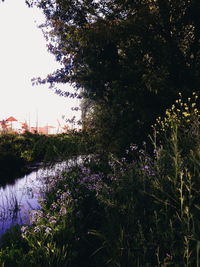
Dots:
pixel 19 198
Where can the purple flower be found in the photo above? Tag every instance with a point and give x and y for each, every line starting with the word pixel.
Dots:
pixel 85 171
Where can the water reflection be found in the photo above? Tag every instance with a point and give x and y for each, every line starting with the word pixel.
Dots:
pixel 19 198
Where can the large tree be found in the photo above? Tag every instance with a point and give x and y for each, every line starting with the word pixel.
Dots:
pixel 131 58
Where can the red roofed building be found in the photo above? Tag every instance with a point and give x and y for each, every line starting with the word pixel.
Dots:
pixel 11 119
pixel 13 124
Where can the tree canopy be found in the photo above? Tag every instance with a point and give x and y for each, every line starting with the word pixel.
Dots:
pixel 130 57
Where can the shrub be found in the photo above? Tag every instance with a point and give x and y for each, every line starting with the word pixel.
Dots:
pixel 143 212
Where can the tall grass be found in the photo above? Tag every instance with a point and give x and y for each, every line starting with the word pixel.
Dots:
pixel 141 210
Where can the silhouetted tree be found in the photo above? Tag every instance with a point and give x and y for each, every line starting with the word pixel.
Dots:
pixel 130 57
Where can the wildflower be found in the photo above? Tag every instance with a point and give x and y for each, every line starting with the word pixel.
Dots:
pixel 133 147
pixel 54 205
pixel 24 229
pixel 48 230
pixel 58 193
pixel 36 215
pixel 63 211
pixel 37 229
pixel 65 195
pixel 123 159
pixel 85 171
pixel 141 151
pixel 52 220
pixel 185 114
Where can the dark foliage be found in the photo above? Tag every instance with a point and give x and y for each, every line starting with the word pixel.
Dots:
pixel 130 57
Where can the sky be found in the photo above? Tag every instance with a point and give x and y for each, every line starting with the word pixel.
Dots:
pixel 23 56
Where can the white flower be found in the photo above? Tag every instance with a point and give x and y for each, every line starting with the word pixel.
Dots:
pixel 52 219
pixel 37 229
pixel 63 211
pixel 48 230
pixel 24 228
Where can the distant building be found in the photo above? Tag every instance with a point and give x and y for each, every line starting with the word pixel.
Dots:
pixel 11 124
pixel 14 125
pixel 43 130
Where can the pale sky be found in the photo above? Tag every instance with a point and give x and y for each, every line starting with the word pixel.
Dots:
pixel 23 55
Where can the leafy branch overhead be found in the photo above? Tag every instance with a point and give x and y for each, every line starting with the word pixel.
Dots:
pixel 133 56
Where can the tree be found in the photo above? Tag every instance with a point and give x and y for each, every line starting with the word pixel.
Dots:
pixel 130 57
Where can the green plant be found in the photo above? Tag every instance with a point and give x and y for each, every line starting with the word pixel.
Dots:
pixel 140 210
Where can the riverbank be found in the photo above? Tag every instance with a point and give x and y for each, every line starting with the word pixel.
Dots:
pixel 139 210
pixel 19 153
pixel 22 194
pixel 19 197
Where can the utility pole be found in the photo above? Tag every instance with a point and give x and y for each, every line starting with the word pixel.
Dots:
pixel 36 120
pixel 29 122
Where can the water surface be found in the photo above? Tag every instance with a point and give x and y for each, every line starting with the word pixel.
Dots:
pixel 23 195
pixel 19 198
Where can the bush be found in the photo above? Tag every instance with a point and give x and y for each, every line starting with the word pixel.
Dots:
pixel 143 212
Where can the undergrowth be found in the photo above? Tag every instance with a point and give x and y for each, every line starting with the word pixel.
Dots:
pixel 139 212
